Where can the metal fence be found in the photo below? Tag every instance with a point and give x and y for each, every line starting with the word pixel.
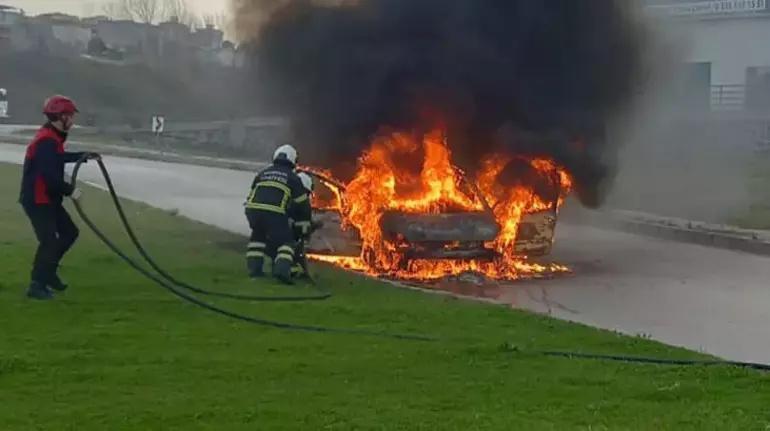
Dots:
pixel 728 97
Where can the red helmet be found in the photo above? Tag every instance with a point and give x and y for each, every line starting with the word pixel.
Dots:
pixel 59 105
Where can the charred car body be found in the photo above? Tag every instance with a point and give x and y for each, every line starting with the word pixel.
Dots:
pixel 454 235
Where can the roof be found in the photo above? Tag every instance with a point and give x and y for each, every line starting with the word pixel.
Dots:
pixel 6 8
pixel 58 18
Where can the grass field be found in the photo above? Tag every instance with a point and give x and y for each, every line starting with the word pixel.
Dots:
pixel 116 352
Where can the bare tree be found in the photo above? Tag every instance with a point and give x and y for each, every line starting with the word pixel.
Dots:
pixel 153 11
pixel 145 11
pixel 114 10
pixel 180 11
pixel 220 21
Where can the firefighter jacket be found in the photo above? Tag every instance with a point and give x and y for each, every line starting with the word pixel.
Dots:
pixel 42 180
pixel 301 215
pixel 278 189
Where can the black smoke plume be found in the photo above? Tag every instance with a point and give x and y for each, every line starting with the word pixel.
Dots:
pixel 530 77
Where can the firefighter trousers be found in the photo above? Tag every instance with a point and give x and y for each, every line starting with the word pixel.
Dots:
pixel 270 230
pixel 56 233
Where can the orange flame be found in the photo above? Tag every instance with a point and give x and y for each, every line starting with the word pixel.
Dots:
pixel 332 200
pixel 404 174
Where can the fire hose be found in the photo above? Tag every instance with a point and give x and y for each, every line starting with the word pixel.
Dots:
pixel 176 287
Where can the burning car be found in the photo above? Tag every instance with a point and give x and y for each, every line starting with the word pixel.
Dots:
pixel 409 212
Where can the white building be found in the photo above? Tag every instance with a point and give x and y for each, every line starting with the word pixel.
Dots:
pixel 10 19
pixel 727 47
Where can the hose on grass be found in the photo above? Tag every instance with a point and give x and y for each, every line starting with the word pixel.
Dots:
pixel 177 288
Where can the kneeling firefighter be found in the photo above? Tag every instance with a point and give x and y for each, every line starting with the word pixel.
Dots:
pixel 274 193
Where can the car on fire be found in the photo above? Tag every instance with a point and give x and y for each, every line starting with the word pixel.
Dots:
pixel 458 235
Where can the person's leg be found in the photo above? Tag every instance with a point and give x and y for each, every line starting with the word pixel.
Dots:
pixel 255 253
pixel 67 230
pixel 67 233
pixel 43 220
pixel 300 259
pixel 280 234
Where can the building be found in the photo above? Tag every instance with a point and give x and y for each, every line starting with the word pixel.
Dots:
pixel 229 56
pixel 93 21
pixel 66 30
pixel 727 54
pixel 9 16
pixel 122 34
pixel 11 27
pixel 175 32
pixel 174 43
pixel 208 38
pixel 171 43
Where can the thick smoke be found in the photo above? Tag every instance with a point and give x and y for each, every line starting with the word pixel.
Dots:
pixel 522 76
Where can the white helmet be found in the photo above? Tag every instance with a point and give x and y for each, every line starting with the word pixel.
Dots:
pixel 286 152
pixel 307 180
pixel 3 92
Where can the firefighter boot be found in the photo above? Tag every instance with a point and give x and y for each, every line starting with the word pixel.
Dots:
pixel 254 265
pixel 297 271
pixel 38 290
pixel 56 284
pixel 282 270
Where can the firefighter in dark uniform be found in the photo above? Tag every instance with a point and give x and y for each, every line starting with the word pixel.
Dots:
pixel 274 193
pixel 42 191
pixel 301 221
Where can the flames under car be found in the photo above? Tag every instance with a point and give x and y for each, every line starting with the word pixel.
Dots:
pixel 452 235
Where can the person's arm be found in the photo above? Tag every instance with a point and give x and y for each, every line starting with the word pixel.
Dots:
pixel 48 161
pixel 299 194
pixel 250 196
pixel 302 212
pixel 72 157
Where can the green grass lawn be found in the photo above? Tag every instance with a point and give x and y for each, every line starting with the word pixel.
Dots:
pixel 116 352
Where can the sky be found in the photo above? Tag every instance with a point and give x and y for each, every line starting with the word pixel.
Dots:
pixel 94 7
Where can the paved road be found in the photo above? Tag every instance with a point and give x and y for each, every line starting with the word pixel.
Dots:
pixel 211 195
pixel 9 129
pixel 706 299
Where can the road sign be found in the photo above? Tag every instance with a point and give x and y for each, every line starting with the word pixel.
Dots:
pixel 3 103
pixel 158 124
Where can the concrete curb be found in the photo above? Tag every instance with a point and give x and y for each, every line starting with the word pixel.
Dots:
pixel 710 235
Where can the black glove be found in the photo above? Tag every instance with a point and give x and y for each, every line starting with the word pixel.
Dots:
pixel 68 189
pixel 93 156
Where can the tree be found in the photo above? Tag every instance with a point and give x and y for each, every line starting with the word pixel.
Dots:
pixel 180 11
pixel 153 11
pixel 145 11
pixel 220 21
pixel 114 10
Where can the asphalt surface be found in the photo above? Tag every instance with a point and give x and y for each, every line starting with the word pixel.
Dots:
pixel 705 299
pixel 8 129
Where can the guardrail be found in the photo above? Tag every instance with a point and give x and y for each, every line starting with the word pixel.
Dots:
pixel 728 97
